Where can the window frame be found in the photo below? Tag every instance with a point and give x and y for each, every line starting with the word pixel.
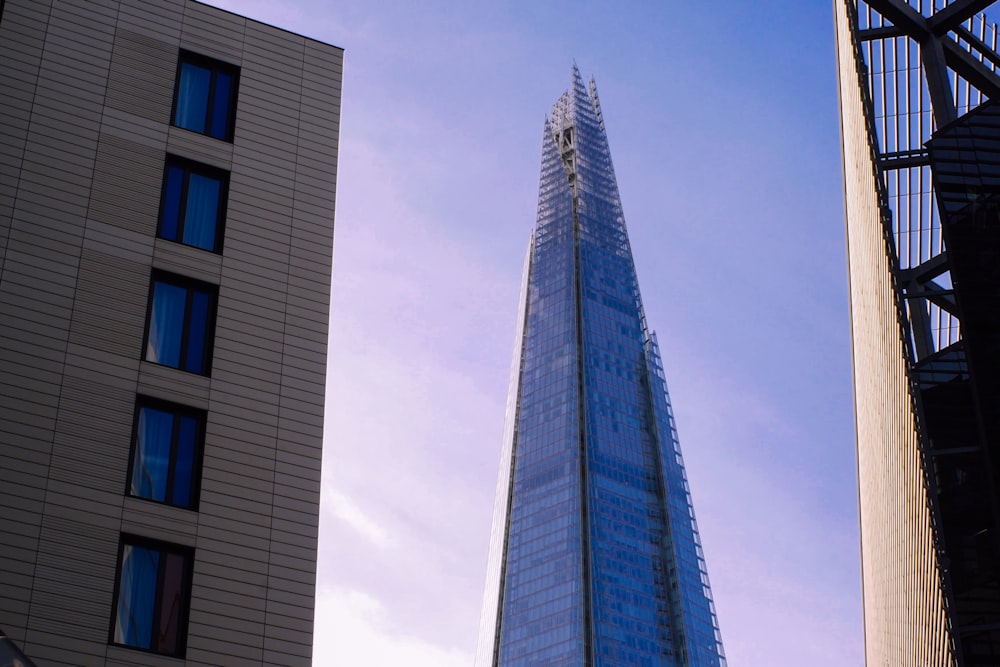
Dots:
pixel 189 284
pixel 214 66
pixel 187 578
pixel 190 167
pixel 177 411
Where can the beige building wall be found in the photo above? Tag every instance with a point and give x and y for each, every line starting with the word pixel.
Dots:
pixel 86 90
pixel 905 624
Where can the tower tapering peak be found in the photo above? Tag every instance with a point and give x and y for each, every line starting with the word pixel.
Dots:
pixel 595 556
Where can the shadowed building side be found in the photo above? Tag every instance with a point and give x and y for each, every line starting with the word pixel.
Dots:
pixel 918 133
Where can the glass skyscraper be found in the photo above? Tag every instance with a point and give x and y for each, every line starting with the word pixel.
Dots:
pixel 595 557
pixel 920 121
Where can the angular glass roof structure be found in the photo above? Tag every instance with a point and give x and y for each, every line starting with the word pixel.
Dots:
pixel 595 557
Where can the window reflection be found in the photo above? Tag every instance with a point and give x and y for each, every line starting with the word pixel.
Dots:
pixel 152 596
pixel 181 316
pixel 166 452
pixel 205 98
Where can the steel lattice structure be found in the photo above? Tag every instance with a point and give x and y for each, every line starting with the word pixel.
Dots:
pixel 921 141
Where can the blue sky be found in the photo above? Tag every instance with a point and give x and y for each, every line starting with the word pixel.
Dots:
pixel 722 120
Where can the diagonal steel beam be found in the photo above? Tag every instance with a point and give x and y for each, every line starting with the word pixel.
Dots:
pixel 982 48
pixel 903 16
pixel 955 14
pixel 971 69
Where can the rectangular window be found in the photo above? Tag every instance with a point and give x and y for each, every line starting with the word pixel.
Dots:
pixel 193 205
pixel 205 96
pixel 152 596
pixel 180 323
pixel 166 453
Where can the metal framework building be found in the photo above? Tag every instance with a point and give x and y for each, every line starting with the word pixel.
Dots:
pixel 921 148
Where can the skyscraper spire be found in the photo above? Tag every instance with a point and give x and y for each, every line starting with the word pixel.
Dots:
pixel 595 557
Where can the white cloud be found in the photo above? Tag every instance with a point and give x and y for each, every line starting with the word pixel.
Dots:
pixel 348 511
pixel 352 630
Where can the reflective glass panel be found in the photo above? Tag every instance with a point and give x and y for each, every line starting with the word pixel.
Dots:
pixel 166 324
pixel 173 190
pixel 192 97
pixel 221 102
pixel 136 597
pixel 181 316
pixel 206 96
pixel 601 563
pixel 166 452
pixel 184 469
pixel 151 461
pixel 153 596
pixel 202 211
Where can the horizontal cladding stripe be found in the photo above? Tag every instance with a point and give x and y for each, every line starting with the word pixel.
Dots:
pixel 142 75
pixel 163 15
pixel 126 185
pixel 296 214
pixel 47 315
pixel 199 147
pixel 183 387
pixel 252 533
pixel 212 45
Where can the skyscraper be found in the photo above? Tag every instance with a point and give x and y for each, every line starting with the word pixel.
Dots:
pixel 595 557
pixel 921 128
pixel 167 174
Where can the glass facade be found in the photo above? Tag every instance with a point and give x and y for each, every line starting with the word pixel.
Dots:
pixel 595 557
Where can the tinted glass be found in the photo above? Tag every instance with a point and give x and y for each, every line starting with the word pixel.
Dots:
pixel 197 332
pixel 221 105
pixel 173 190
pixel 602 551
pixel 202 211
pixel 136 597
pixel 192 97
pixel 166 325
pixel 172 593
pixel 151 462
pixel 187 440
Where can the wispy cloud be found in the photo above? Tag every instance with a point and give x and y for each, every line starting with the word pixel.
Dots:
pixel 348 511
pixel 352 630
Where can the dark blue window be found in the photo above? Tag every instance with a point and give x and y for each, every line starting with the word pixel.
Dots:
pixel 194 202
pixel 205 98
pixel 166 453
pixel 152 596
pixel 180 322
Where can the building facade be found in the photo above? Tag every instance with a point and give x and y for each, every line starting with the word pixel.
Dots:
pixel 167 174
pixel 920 139
pixel 595 557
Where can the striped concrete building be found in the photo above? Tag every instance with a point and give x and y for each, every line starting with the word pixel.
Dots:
pixel 167 176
